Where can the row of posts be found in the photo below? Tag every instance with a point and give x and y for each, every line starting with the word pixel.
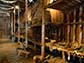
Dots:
pixel 71 36
pixel 13 21
pixel 75 30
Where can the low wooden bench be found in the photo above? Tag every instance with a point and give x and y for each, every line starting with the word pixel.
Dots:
pixel 23 52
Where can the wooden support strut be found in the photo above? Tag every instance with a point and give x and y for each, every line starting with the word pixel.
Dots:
pixel 63 56
pixel 43 30
pixel 79 27
pixel 14 19
pixel 80 20
pixel 11 16
pixel 18 25
pixel 68 30
pixel 26 23
pixel 73 27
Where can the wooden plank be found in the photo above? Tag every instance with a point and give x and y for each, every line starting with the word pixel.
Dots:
pixel 73 27
pixel 64 4
pixel 63 56
pixel 14 12
pixel 68 30
pixel 43 31
pixel 26 23
pixel 18 20
pixel 11 16
pixel 79 27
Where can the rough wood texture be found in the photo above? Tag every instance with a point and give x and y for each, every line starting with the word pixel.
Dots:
pixel 65 4
pixel 68 30
pixel 79 27
pixel 73 27
pixel 43 31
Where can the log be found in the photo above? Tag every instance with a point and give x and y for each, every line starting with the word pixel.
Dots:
pixel 43 31
pixel 73 27
pixel 68 30
pixel 78 34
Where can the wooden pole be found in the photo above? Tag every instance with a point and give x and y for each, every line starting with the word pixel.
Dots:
pixel 26 23
pixel 14 19
pixel 73 27
pixel 68 30
pixel 43 31
pixel 18 24
pixel 10 25
pixel 11 16
pixel 80 20
pixel 79 27
pixel 63 56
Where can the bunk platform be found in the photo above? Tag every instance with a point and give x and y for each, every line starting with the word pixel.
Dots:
pixel 65 4
pixel 71 51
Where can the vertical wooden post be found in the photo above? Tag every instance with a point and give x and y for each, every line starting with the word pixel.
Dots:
pixel 26 23
pixel 18 20
pixel 14 19
pixel 80 20
pixel 79 27
pixel 73 27
pixel 43 30
pixel 11 16
pixel 68 30
pixel 11 23
pixel 63 56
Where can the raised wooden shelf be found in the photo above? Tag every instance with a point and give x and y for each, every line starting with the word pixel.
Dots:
pixel 39 24
pixel 62 48
pixel 71 23
pixel 65 4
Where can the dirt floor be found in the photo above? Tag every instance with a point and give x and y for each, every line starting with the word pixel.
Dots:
pixel 8 53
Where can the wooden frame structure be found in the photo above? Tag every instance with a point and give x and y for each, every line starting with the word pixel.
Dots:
pixel 74 23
